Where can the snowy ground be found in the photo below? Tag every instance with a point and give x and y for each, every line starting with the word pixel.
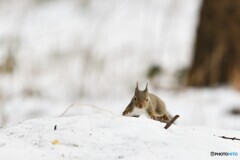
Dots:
pixel 108 136
pixel 208 107
pixel 93 52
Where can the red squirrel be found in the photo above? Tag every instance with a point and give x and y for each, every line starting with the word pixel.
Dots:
pixel 149 104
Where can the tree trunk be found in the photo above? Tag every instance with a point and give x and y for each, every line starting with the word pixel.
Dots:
pixel 216 59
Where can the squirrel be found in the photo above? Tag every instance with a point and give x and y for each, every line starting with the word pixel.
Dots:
pixel 149 104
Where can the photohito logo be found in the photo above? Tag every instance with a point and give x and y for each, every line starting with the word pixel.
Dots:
pixel 224 153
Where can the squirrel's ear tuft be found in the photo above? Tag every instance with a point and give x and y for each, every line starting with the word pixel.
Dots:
pixel 146 89
pixel 136 89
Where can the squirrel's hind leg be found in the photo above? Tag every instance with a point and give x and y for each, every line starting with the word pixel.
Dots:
pixel 164 118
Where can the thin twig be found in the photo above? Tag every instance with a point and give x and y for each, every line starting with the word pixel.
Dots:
pixel 171 121
pixel 232 138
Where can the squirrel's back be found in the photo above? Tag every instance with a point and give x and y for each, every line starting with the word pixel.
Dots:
pixel 158 105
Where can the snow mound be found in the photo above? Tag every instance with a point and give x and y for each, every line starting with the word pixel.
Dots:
pixel 106 136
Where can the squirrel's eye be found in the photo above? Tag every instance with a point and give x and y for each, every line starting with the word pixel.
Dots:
pixel 135 99
pixel 146 99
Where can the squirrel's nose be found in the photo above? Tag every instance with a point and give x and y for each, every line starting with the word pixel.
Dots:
pixel 140 106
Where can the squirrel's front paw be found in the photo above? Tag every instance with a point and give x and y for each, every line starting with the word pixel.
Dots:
pixel 153 117
pixel 124 113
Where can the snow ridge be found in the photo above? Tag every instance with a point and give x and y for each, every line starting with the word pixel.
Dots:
pixel 106 136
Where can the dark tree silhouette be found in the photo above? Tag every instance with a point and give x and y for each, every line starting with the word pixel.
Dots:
pixel 216 59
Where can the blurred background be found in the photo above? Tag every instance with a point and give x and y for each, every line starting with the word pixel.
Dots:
pixel 54 53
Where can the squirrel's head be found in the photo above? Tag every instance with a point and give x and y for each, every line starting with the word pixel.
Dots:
pixel 141 98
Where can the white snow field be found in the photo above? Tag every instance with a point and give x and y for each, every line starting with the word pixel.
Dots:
pixel 208 107
pixel 106 136
pixel 93 52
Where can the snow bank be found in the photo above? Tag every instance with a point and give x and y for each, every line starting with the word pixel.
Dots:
pixel 107 136
pixel 197 107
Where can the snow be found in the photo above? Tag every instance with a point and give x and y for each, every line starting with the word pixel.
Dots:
pixel 109 136
pixel 137 111
pixel 114 41
pixel 90 53
pixel 208 107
